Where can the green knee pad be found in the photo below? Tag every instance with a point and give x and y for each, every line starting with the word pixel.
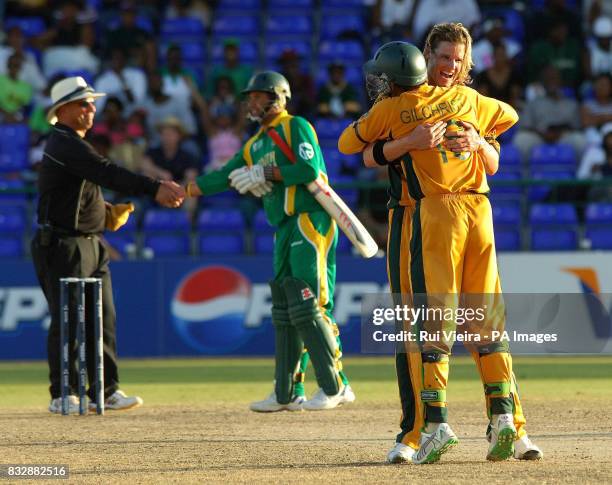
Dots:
pixel 288 345
pixel 316 333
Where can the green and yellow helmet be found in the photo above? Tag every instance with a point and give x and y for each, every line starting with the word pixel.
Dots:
pixel 270 82
pixel 395 62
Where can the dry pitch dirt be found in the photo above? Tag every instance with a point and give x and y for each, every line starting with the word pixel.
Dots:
pixel 227 443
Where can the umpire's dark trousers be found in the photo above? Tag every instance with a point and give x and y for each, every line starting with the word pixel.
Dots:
pixel 61 256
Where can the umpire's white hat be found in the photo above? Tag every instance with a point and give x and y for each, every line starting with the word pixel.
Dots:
pixel 68 90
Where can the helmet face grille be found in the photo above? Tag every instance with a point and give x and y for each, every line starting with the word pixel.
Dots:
pixel 377 86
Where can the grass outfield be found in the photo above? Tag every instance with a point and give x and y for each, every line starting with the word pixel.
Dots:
pixel 195 426
pixel 174 381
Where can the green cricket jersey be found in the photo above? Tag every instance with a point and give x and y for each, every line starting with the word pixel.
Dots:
pixel 290 196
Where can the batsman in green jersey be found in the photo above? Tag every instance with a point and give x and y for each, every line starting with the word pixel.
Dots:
pixel 304 245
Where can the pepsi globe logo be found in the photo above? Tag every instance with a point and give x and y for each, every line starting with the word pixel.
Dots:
pixel 209 309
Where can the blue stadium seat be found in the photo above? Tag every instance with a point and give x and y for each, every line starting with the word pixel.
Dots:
pixel 284 5
pixel 353 75
pixel 553 214
pixel 228 198
pixel 14 135
pixel 193 51
pixel 16 192
pixel 344 245
pixel 333 27
pixel 554 240
pixel 502 182
pixel 184 28
pixel 121 241
pixel 221 243
pixel 507 214
pixel 338 164
pixel 249 53
pixel 540 192
pixel 221 220
pixel 236 26
pixel 225 7
pixel 11 247
pixel 329 129
pixel 598 213
pixel 168 244
pixel 275 48
pixel 261 224
pixel 289 26
pixel 507 239
pixel 142 21
pixel 508 135
pixel 30 26
pixel 600 237
pixel 554 155
pixel 12 219
pixel 263 243
pixel 166 220
pixel 350 51
pixel 344 6
pixel 509 156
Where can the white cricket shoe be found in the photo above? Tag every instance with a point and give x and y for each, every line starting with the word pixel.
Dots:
pixel 55 406
pixel 271 405
pixel 433 445
pixel 400 453
pixel 525 449
pixel 321 401
pixel 118 401
pixel 348 396
pixel 503 434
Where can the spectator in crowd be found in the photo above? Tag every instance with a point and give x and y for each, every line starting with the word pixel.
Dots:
pixel 170 161
pixel 598 58
pixel 501 80
pixel 158 106
pixel 541 21
pixel 597 111
pixel 559 50
pixel 137 45
pixel 597 160
pixel 126 135
pixel 223 94
pixel 224 130
pixel 180 85
pixel 494 35
pixel 431 12
pixel 15 94
pixel 303 90
pixel 30 72
pixel 232 67
pixel 129 84
pixel 337 98
pixel 392 19
pixel 68 42
pixel 593 9
pixel 550 118
pixel 197 9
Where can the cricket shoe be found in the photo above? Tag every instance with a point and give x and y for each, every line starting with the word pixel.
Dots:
pixel 503 434
pixel 348 396
pixel 271 405
pixel 400 453
pixel 525 449
pixel 118 401
pixel 433 445
pixel 55 406
pixel 321 401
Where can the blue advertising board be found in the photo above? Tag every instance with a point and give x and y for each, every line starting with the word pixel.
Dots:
pixel 183 307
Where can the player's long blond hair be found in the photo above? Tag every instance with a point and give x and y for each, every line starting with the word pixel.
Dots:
pixel 455 33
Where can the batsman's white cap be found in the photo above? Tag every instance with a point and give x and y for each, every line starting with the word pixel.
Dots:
pixel 68 90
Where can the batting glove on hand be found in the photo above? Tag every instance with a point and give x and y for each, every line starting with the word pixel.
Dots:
pixel 244 179
pixel 261 189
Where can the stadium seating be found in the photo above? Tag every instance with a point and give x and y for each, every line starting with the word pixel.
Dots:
pixel 261 224
pixel 330 129
pixel 350 51
pixel 12 220
pixel 507 239
pixel 164 245
pixel 182 29
pixel 228 7
pixel 333 27
pixel 249 53
pixel 556 156
pixel 221 243
pixel 537 193
pixel 14 146
pixel 598 225
pixel 167 232
pixel 236 26
pixel 11 247
pixel 289 26
pixel 263 244
pixel 509 156
pixel 553 227
pixel 220 220
pixel 124 242
pixel 507 225
pixel 30 26
pixel 166 220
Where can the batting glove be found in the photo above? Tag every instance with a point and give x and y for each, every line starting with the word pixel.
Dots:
pixel 261 189
pixel 244 180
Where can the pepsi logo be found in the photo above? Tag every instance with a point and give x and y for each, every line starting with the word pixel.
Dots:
pixel 209 308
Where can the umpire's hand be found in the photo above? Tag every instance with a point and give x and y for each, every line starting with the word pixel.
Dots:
pixel 170 194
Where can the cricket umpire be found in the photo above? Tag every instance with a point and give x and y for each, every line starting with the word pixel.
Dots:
pixel 72 215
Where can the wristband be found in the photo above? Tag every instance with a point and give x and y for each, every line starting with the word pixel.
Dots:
pixel 269 173
pixel 379 154
pixel 188 190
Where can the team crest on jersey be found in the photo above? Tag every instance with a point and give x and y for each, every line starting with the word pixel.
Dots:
pixel 257 145
pixel 307 294
pixel 306 150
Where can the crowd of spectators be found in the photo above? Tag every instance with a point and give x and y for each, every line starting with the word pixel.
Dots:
pixel 172 118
